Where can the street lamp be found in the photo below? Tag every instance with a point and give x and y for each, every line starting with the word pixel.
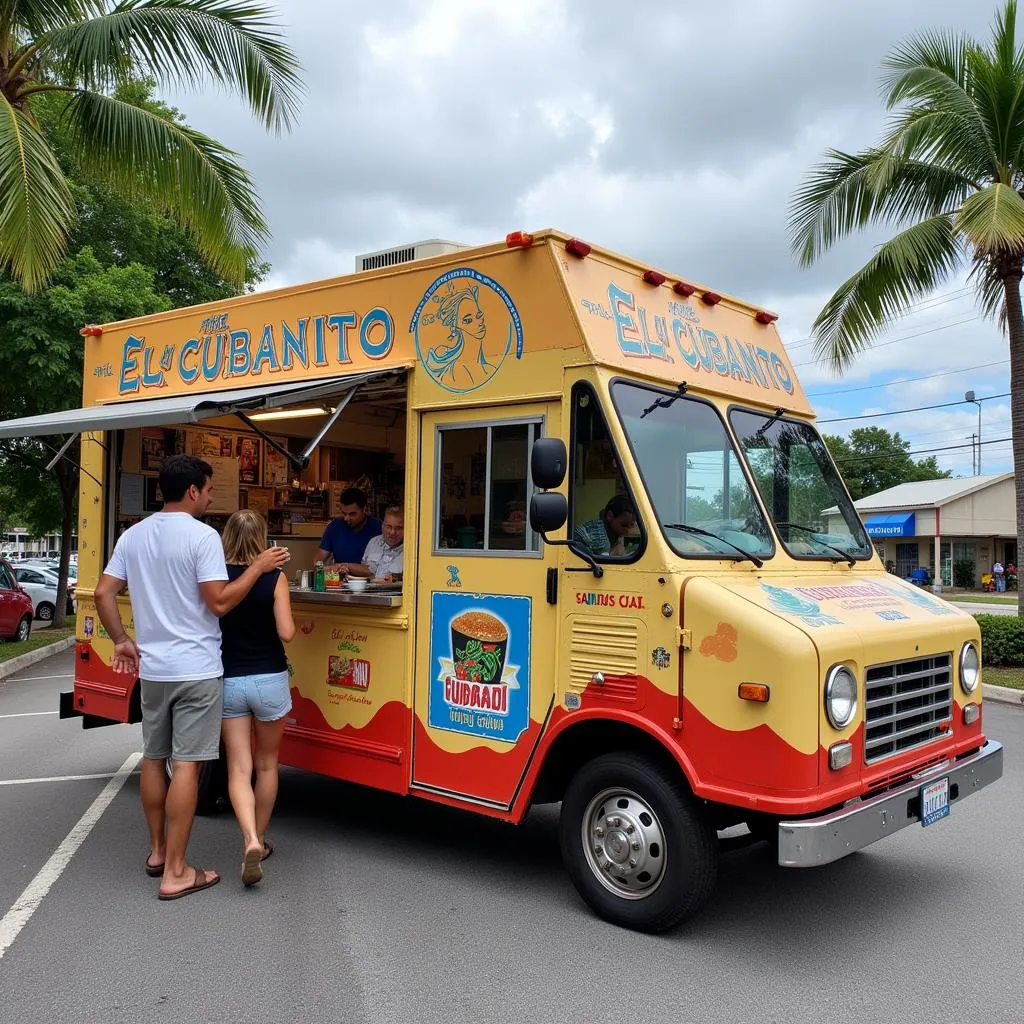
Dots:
pixel 969 397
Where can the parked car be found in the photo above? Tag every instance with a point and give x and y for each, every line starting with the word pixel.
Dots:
pixel 40 584
pixel 16 607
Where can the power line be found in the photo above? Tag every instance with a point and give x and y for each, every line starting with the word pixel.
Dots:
pixel 906 380
pixel 920 451
pixel 907 337
pixel 902 412
pixel 923 306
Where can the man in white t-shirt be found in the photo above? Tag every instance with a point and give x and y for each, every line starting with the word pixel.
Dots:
pixel 178 585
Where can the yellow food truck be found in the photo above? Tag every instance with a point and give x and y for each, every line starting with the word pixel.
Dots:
pixel 621 589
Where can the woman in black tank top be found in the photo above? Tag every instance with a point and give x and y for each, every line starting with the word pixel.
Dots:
pixel 257 696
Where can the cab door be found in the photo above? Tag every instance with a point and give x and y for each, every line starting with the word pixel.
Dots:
pixel 10 606
pixel 485 633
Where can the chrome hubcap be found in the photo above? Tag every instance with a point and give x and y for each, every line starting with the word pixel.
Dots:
pixel 624 843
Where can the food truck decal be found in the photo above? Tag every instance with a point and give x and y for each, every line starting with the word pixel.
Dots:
pixel 482 649
pixel 465 326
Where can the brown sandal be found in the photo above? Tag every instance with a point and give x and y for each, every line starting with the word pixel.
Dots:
pixel 203 881
pixel 268 849
pixel 252 869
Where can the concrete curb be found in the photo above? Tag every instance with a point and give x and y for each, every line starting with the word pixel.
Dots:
pixel 1002 694
pixel 9 668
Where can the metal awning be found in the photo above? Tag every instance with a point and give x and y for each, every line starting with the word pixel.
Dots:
pixel 192 408
pixel 893 524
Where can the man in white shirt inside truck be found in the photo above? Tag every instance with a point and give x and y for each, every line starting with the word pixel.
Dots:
pixel 173 566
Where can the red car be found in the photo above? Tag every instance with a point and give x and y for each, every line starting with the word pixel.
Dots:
pixel 15 606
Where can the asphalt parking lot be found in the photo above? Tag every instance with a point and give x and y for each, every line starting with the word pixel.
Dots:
pixel 381 909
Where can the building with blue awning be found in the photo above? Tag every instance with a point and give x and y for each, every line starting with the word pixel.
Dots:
pixel 971 521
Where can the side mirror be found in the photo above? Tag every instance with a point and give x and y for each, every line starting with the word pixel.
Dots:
pixel 548 511
pixel 548 463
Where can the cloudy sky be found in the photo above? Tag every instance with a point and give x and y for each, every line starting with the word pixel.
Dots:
pixel 673 131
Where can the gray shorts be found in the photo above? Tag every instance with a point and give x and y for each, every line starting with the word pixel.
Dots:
pixel 182 720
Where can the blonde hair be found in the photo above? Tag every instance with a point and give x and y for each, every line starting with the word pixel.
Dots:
pixel 245 536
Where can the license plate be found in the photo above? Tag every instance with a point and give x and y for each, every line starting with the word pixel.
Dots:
pixel 934 801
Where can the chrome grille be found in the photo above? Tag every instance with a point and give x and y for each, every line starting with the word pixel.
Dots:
pixel 907 704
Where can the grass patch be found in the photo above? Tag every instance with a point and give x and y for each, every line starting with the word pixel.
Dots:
pixel 9 649
pixel 1002 676
pixel 982 598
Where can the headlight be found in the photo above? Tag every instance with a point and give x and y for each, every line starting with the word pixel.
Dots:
pixel 840 696
pixel 970 667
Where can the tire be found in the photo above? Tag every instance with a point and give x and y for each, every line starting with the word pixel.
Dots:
pixel 658 859
pixel 44 613
pixel 213 784
pixel 24 630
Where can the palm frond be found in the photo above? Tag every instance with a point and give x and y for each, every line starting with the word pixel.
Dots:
pixel 849 191
pixel 992 220
pixel 35 17
pixel 180 42
pixel 36 207
pixel 905 71
pixel 989 288
pixel 904 269
pixel 184 170
pixel 1004 39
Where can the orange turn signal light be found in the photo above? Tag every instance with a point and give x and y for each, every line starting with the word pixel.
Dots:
pixel 754 691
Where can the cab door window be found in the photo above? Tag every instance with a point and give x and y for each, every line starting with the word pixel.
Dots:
pixel 602 512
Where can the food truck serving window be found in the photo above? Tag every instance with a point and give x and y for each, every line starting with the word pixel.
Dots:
pixel 484 488
pixel 694 478
pixel 800 487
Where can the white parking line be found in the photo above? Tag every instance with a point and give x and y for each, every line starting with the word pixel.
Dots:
pixel 58 778
pixel 29 714
pixel 28 902
pixel 33 679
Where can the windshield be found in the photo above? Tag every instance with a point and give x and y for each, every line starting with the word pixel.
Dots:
pixel 702 500
pixel 800 487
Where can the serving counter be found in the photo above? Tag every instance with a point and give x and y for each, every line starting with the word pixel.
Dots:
pixel 365 598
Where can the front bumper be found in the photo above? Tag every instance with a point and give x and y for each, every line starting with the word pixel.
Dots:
pixel 814 841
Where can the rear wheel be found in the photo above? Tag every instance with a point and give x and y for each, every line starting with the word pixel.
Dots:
pixel 45 611
pixel 213 784
pixel 635 843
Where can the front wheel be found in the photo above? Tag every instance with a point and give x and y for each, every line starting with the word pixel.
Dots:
pixel 24 629
pixel 636 844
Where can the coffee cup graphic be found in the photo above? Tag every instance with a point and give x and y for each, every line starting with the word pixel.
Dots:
pixel 479 646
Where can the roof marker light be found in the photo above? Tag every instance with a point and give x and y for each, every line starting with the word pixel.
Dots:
pixel 654 277
pixel 764 317
pixel 684 289
pixel 519 240
pixel 577 248
pixel 711 298
pixel 91 331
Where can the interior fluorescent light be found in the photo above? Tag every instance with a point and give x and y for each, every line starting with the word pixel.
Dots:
pixel 291 414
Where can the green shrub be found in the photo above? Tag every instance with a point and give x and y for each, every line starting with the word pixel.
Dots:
pixel 1002 640
pixel 963 574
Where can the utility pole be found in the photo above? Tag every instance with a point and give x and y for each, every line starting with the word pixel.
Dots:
pixel 970 397
pixel 974 455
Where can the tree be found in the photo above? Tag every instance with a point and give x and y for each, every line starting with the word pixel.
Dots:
pixel 83 51
pixel 872 459
pixel 129 259
pixel 948 174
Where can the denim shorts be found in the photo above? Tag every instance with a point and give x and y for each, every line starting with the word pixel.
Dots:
pixel 267 697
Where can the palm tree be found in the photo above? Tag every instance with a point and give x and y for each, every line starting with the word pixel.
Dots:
pixel 85 49
pixel 949 175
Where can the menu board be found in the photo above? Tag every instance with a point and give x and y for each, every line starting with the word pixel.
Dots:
pixel 260 499
pixel 225 483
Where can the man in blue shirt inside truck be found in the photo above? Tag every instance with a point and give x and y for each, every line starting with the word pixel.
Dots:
pixel 346 537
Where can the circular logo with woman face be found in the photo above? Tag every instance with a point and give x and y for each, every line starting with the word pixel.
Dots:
pixel 465 328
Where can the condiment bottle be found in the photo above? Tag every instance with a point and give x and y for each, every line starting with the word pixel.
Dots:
pixel 318 576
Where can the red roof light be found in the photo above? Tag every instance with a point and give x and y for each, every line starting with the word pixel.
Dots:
pixel 764 317
pixel 711 298
pixel 684 289
pixel 653 277
pixel 519 240
pixel 91 331
pixel 577 248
